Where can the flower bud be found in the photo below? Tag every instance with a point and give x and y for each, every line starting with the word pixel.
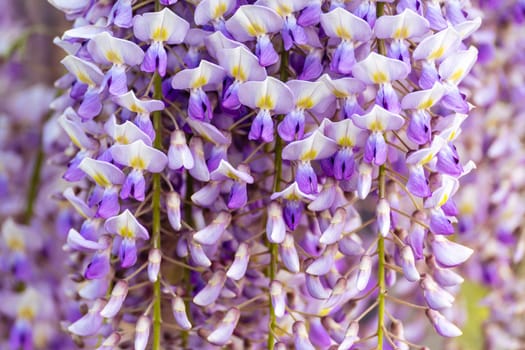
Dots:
pixel 154 260
pixel 118 295
pixel 142 330
pixel 179 313
pixel 173 210
pixel 383 217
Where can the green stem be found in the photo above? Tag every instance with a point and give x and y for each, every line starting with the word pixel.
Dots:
pixel 186 277
pixel 32 192
pixel 157 143
pixel 272 247
pixel 381 241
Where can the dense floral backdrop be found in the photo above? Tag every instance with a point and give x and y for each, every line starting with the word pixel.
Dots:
pixel 277 174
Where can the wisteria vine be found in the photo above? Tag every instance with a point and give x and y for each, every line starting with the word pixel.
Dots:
pixel 261 175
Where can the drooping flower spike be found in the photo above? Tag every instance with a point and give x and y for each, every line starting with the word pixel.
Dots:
pixel 185 150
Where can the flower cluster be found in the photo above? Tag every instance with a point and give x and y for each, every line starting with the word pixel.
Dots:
pixel 491 215
pixel 265 175
pixel 34 280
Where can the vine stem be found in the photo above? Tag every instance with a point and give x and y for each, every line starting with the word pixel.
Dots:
pixel 155 207
pixel 272 247
pixel 33 185
pixel 380 11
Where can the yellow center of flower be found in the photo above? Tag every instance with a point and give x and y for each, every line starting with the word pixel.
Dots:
pixel 160 34
pixel 256 29
pixel 265 102
pixel 26 313
pixel 401 33
pixel 443 200
pixel 342 33
pixel 283 10
pixel 122 139
pixel 238 73
pixel 305 103
pixel 456 75
pixel 126 232
pixel 220 9
pixel 137 163
pixel 376 125
pixel 101 180
pixel 137 109
pixel 199 82
pixel 426 104
pixel 113 57
pixel 309 155
pixel 15 244
pixel 84 78
pixel 346 142
pixel 379 77
pixel 437 53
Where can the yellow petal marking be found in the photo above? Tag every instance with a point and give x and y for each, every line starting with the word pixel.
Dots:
pixel 345 141
pixel 266 102
pixel 26 313
pixel 122 139
pixel 380 77
pixel 310 155
pixel 342 33
pixel 376 125
pixel 305 103
pixel 426 104
pixel 427 159
pixel 84 78
pixel 199 82
pixel 135 108
pixel 114 57
pixel 101 180
pixel 160 34
pixel 283 10
pixel 401 33
pixel 256 29
pixel 238 73
pixel 436 54
pixel 126 232
pixel 456 75
pixel 15 244
pixel 220 9
pixel 443 200
pixel 137 163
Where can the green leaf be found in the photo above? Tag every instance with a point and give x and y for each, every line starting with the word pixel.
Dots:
pixel 470 297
